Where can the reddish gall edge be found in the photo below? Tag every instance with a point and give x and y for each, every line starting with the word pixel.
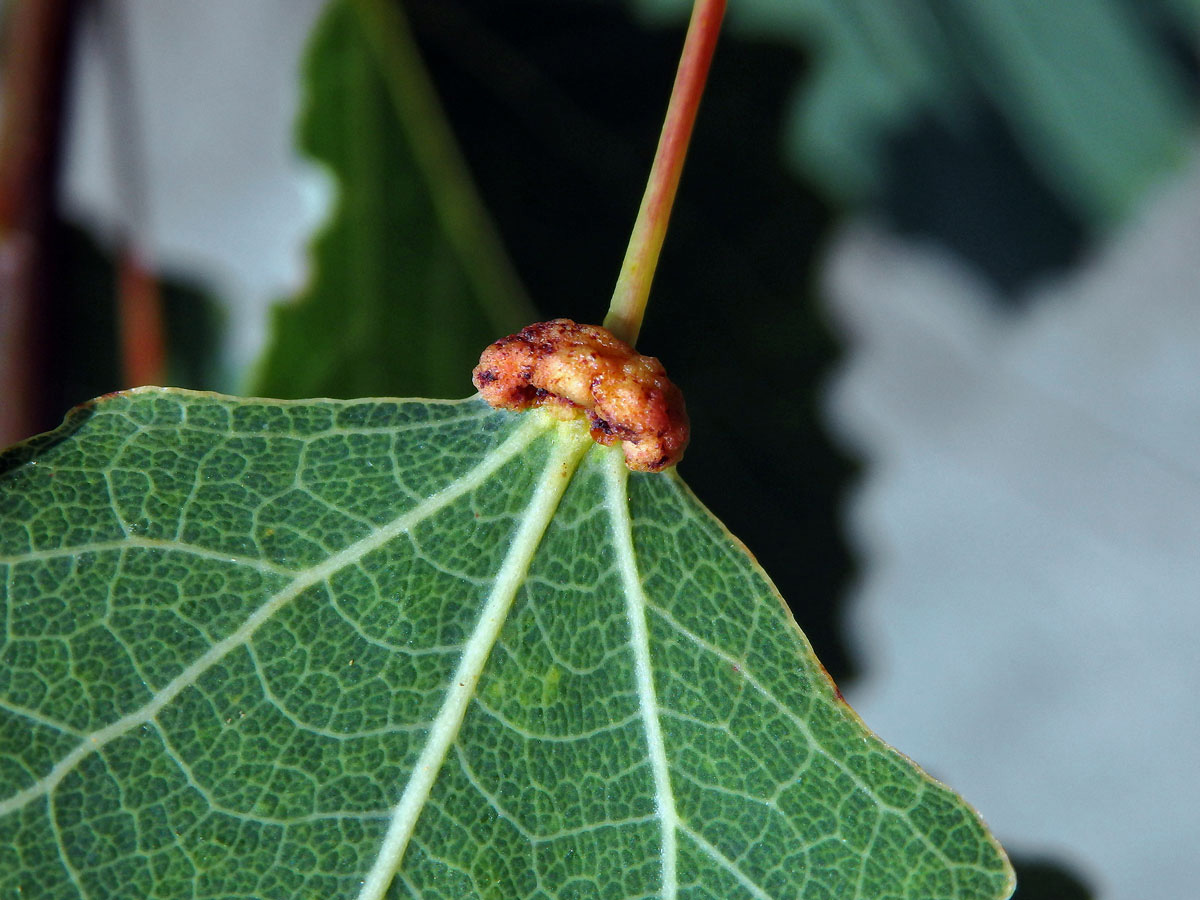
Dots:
pixel 572 369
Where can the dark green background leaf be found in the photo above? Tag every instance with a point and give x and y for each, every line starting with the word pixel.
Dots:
pixel 409 282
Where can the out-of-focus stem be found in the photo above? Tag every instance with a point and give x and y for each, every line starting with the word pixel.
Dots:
pixel 140 317
pixel 37 35
pixel 628 304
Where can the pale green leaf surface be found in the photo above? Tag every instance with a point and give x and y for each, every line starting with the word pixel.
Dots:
pixel 276 650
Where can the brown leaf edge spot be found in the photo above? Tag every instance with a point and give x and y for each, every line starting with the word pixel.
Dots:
pixel 575 369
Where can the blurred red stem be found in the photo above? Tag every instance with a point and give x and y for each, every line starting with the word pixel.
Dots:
pixel 139 314
pixel 37 40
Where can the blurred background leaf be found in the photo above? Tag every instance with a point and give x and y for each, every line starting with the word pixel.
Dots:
pixel 409 281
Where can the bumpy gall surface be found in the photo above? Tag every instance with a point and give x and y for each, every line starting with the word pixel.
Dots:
pixel 584 369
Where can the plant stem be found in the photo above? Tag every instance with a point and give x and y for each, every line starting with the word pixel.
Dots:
pixel 140 320
pixel 34 58
pixel 628 304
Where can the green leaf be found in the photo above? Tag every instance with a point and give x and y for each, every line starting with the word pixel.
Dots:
pixel 409 279
pixel 276 650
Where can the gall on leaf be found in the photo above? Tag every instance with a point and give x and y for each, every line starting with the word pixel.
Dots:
pixel 575 369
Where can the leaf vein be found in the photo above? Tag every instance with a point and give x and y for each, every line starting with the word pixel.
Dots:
pixel 501 810
pixel 61 845
pixel 568 450
pixel 517 441
pixel 616 499
pixel 166 545
pixel 38 719
pixel 205 793
pixel 800 724
pixel 285 710
pixel 725 863
pixel 555 738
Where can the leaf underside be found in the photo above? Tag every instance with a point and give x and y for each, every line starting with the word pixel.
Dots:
pixel 257 649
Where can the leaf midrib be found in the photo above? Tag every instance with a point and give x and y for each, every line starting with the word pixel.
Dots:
pixel 569 448
pixel 617 501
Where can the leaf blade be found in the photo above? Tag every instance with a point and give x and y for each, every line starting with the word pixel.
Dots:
pixel 799 711
pixel 191 697
pixel 444 729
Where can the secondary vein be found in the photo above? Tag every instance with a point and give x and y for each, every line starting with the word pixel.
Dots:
pixel 727 864
pixel 569 449
pixel 97 740
pixel 616 498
